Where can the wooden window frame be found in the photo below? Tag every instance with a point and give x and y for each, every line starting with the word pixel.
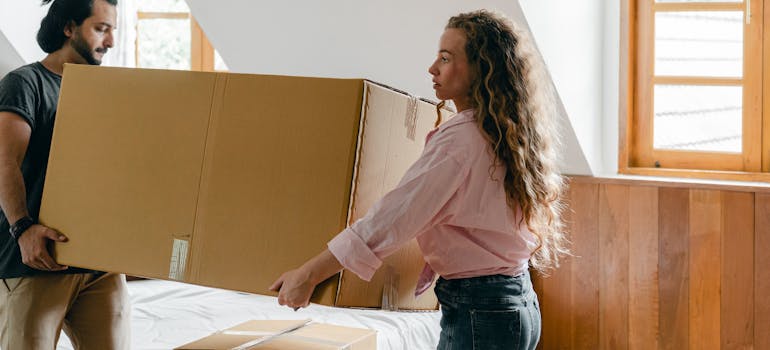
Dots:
pixel 201 51
pixel 636 154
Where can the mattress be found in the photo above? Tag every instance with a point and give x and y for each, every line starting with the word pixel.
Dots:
pixel 167 314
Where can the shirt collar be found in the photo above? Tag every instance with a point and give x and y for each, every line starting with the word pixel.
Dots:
pixel 463 117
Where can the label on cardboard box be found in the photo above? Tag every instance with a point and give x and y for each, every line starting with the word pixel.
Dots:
pixel 178 259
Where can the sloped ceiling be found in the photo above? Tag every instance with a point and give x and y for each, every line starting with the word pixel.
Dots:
pixel 9 58
pixel 19 22
pixel 392 42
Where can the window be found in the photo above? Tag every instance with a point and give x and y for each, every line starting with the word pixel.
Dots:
pixel 169 38
pixel 695 80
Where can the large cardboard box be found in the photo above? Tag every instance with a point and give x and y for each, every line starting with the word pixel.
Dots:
pixel 228 180
pixel 285 335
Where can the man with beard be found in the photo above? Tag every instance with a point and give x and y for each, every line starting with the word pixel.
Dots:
pixel 38 297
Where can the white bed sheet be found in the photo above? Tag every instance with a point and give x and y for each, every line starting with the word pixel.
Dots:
pixel 167 314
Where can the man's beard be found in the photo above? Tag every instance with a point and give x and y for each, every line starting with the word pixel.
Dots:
pixel 82 48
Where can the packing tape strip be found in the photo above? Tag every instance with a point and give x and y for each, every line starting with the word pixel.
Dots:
pixel 265 337
pixel 390 289
pixel 410 118
pixel 287 335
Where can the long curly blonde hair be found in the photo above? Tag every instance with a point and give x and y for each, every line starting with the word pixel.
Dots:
pixel 515 116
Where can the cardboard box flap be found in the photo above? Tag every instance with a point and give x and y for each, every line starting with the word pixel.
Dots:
pixel 256 169
pixel 149 207
pixel 246 334
pixel 321 336
pixel 391 140
pixel 276 179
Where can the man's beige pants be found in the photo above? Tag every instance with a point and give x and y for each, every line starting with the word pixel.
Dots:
pixel 94 311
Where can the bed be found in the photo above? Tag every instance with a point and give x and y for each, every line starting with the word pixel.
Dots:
pixel 167 314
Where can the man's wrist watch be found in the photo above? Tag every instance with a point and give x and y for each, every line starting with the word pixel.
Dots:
pixel 20 226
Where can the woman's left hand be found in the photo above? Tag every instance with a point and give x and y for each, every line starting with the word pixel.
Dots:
pixel 294 288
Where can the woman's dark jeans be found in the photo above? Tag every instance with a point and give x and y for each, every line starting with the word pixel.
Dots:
pixel 488 312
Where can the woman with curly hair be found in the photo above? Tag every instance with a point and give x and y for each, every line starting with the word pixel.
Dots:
pixel 483 200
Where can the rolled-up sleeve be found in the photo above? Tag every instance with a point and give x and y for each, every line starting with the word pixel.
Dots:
pixel 403 213
pixel 19 96
pixel 353 253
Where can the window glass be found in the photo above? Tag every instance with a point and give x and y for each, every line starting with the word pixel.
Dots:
pixel 705 44
pixel 698 118
pixel 164 43
pixel 162 6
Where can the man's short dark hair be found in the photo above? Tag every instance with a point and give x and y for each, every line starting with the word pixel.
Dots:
pixel 51 36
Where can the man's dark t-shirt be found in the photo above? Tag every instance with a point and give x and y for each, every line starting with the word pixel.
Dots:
pixel 32 92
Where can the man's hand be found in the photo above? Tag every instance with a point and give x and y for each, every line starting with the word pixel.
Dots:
pixel 34 248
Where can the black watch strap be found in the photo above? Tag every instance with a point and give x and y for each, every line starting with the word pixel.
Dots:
pixel 20 226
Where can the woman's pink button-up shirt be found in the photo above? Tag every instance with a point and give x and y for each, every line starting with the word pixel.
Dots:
pixel 450 203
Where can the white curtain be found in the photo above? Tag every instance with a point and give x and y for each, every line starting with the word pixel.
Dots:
pixel 123 52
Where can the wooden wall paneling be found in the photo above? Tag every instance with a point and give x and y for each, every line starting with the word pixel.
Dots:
pixel 705 262
pixel 643 301
pixel 613 266
pixel 537 283
pixel 761 271
pixel 738 271
pixel 585 266
pixel 556 295
pixel 661 267
pixel 673 204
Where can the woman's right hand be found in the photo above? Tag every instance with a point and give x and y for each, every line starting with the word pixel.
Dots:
pixel 294 288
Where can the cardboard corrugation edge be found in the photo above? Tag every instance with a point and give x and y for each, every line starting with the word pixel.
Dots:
pixel 356 167
pixel 359 151
pixel 217 102
pixel 174 235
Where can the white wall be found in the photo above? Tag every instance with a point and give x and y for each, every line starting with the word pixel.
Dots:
pixel 9 58
pixel 611 95
pixel 570 36
pixel 19 22
pixel 393 42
